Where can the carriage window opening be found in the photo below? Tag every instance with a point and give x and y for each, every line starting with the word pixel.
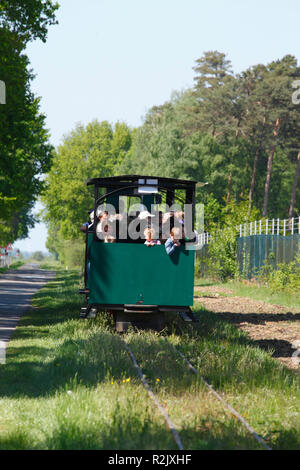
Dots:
pixel 134 204
pixel 129 214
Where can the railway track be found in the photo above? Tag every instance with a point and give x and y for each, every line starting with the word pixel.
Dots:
pixel 193 370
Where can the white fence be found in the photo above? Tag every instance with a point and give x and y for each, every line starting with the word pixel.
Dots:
pixel 261 227
pixel 5 261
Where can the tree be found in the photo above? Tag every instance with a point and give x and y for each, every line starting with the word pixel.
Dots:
pixel 294 187
pixel 86 152
pixel 25 153
pixel 38 256
pixel 275 91
pixel 28 19
pixel 24 149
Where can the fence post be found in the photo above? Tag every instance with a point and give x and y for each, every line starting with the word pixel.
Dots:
pixel 284 227
pixel 255 227
pixel 267 226
pixel 292 225
pixel 273 226
pixel 278 226
pixel 260 227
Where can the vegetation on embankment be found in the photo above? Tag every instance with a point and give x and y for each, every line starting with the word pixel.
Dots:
pixel 279 285
pixel 69 383
pixel 26 152
pixel 14 265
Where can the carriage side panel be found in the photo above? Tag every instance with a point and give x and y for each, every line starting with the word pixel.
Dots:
pixel 129 273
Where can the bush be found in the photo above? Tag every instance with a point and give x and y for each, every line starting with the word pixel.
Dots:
pixel 221 258
pixel 286 276
pixel 72 253
pixel 37 256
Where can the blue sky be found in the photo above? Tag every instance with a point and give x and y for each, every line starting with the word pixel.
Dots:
pixel 114 59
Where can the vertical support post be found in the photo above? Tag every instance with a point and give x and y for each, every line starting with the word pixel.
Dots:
pixel 96 197
pixel 273 226
pixel 260 227
pixel 170 197
pixel 278 226
pixel 284 227
pixel 267 226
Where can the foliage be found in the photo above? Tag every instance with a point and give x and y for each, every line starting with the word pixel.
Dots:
pixel 283 277
pixel 66 370
pixel 14 265
pixel 29 19
pixel 221 257
pixel 37 256
pixel 25 153
pixel 87 152
pixel 240 133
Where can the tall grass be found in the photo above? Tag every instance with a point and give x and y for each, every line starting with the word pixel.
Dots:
pixel 70 384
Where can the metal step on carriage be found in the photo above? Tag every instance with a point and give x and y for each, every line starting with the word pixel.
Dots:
pixel 138 285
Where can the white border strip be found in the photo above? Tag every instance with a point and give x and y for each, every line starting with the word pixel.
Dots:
pixel 3 345
pixel 2 92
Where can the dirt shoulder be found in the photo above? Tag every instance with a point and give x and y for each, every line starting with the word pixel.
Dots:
pixel 271 327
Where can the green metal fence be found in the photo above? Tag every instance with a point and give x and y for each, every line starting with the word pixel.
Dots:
pixel 252 251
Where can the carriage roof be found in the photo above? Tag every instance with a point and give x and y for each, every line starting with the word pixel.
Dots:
pixel 132 180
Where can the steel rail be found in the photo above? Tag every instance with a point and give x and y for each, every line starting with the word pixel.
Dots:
pixel 229 407
pixel 170 424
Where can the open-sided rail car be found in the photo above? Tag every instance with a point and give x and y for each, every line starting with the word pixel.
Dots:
pixel 135 283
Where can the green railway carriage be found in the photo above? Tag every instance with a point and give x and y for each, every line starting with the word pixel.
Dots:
pixel 136 283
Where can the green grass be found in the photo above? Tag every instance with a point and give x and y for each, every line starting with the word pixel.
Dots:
pixel 70 384
pixel 255 291
pixel 14 265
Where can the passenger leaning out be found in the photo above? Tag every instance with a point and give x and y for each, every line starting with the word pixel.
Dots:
pixel 173 241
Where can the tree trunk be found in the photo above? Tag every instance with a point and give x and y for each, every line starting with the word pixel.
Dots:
pixel 255 162
pixel 269 168
pixel 253 178
pixel 294 188
pixel 229 187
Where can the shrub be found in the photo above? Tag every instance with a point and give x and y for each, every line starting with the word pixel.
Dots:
pixel 222 251
pixel 286 276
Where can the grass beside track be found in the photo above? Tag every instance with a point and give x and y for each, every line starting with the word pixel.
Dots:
pixel 256 291
pixel 14 265
pixel 70 384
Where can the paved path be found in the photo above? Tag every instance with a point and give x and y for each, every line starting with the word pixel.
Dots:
pixel 16 290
